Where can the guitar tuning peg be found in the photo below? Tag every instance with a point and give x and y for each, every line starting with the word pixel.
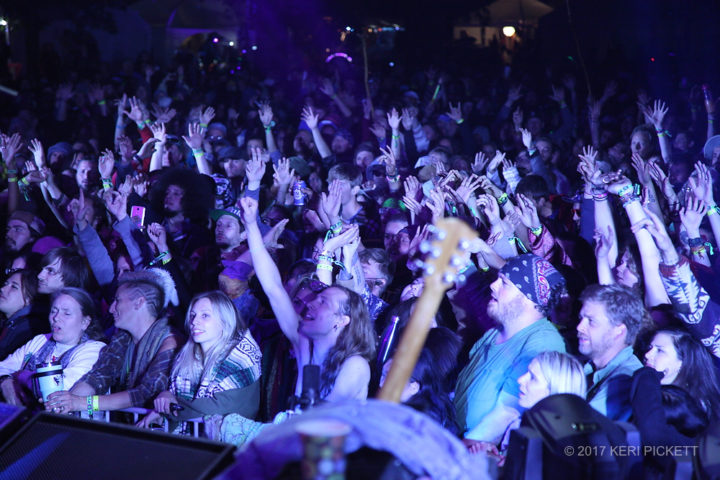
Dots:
pixel 425 246
pixel 419 263
pixel 463 245
pixel 448 278
pixel 456 261
pixel 429 270
pixel 435 252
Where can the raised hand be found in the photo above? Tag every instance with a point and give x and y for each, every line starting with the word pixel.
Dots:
pixel 332 201
pixel 195 136
pixel 249 208
pixel 393 118
pixel 496 161
pixel 436 204
pixel 147 147
pixel 34 175
pixel 490 208
pixel 283 175
pixel 106 163
pixel 663 181
pixel 265 113
pixel 158 131
pixel 351 234
pixel 692 215
pixel 327 88
pixel 378 130
pixel 9 146
pixel 466 191
pixel 207 115
pixel 158 235
pixel 656 114
pixel 163 114
pixel 116 203
pixel 490 187
pixel 412 205
pixel 390 161
pixel 411 186
pixel 271 237
pixel 642 168
pixel 137 109
pixel 36 149
pixel 310 117
pixel 79 209
pixel 526 138
pixel 481 161
pixel 527 211
pixel 701 184
pixel 255 167
pixel 455 112
pixel 408 118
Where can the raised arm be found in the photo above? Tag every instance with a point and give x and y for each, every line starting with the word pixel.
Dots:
pixel 655 116
pixel 265 114
pixel 194 140
pixel 311 120
pixel 268 273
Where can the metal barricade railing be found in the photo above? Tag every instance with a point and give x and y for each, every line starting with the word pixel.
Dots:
pixel 137 412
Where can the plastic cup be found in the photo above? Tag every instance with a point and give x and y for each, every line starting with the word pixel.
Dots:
pixel 323 449
pixel 49 377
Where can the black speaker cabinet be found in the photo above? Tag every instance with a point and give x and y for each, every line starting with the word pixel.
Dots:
pixel 59 447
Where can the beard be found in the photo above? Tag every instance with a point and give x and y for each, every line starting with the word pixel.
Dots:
pixel 502 313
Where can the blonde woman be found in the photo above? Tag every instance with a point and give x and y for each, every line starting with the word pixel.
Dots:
pixel 217 372
pixel 549 373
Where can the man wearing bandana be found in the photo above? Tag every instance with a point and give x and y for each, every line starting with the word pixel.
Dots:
pixel 486 394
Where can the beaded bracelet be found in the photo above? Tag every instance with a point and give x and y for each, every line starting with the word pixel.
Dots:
pixel 502 199
pixel 624 191
pixel 628 199
pixel 89 405
pixel 325 258
pixel 336 228
pixel 536 231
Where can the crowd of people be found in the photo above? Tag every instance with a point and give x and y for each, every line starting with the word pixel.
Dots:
pixel 188 241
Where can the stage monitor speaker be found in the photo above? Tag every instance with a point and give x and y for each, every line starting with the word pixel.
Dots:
pixel 60 447
pixel 11 419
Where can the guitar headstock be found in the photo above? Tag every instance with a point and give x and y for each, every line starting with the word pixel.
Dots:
pixel 446 253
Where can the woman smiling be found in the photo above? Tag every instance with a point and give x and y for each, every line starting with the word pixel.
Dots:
pixel 218 369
